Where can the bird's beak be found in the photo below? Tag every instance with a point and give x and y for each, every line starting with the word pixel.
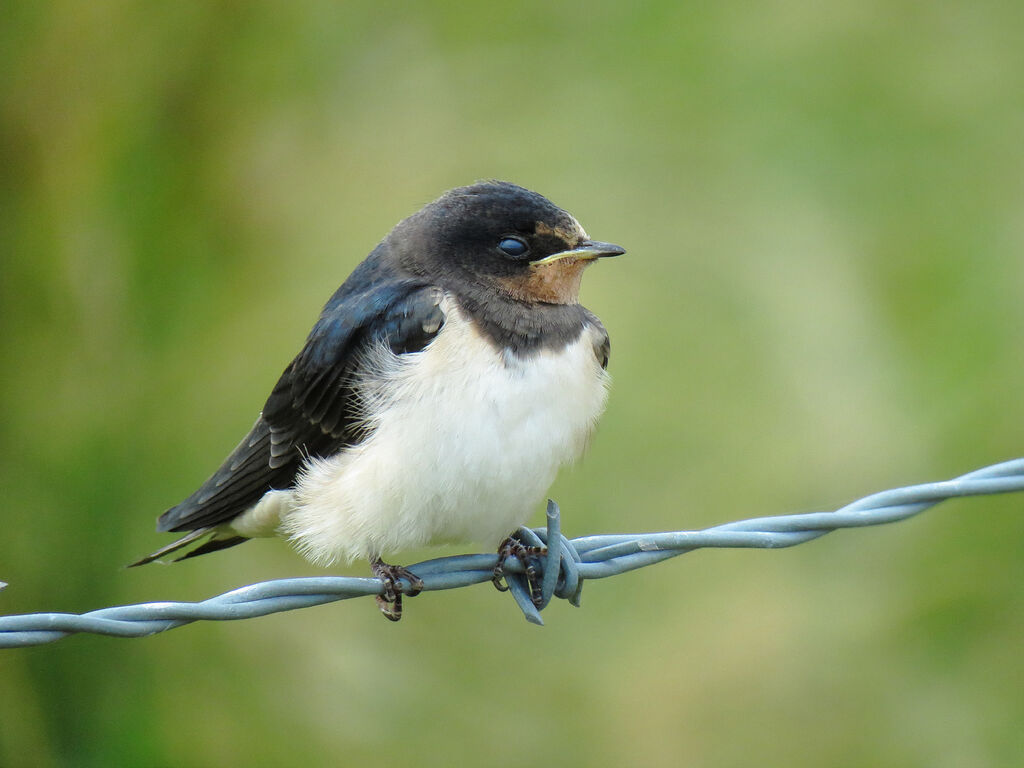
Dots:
pixel 588 250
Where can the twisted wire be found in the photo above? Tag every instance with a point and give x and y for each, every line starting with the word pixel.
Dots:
pixel 565 566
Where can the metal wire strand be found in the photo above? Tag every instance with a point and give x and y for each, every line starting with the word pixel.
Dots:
pixel 567 564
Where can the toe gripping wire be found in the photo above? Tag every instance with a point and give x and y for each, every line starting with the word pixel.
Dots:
pixel 559 559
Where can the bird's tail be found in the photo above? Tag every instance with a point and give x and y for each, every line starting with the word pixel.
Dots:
pixel 210 545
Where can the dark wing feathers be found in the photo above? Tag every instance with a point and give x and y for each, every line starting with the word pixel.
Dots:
pixel 239 483
pixel 312 410
pixel 314 395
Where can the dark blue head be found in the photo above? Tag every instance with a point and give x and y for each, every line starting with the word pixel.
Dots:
pixel 498 235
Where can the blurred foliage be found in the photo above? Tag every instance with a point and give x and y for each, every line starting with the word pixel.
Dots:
pixel 824 210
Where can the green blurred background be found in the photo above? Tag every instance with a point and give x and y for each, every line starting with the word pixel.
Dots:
pixel 824 209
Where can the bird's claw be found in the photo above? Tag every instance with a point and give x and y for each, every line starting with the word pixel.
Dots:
pixel 390 602
pixel 527 555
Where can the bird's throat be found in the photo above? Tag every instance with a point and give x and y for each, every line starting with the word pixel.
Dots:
pixel 557 283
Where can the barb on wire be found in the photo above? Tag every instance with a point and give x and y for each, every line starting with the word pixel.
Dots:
pixel 565 566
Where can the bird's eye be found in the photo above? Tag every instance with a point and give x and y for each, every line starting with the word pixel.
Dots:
pixel 512 246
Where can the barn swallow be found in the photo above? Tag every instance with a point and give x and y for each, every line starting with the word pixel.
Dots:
pixel 439 392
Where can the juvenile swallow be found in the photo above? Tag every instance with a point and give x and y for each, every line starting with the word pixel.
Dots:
pixel 439 392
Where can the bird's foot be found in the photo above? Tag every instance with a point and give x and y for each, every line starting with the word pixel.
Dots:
pixel 390 603
pixel 528 556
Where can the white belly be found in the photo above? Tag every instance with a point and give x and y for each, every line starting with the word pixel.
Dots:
pixel 467 442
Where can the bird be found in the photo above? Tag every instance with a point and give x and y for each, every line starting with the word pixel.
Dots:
pixel 439 392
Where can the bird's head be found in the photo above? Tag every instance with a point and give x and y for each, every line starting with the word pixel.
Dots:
pixel 498 235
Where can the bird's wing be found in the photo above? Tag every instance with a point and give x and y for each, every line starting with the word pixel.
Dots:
pixel 313 410
pixel 313 398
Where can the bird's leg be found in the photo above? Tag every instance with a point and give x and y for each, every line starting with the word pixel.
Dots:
pixel 390 603
pixel 513 547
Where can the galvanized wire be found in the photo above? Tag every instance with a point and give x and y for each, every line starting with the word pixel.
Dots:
pixel 564 567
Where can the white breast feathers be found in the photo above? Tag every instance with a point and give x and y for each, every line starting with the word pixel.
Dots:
pixel 466 440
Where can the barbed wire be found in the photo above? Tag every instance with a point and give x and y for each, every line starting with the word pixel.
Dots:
pixel 564 567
